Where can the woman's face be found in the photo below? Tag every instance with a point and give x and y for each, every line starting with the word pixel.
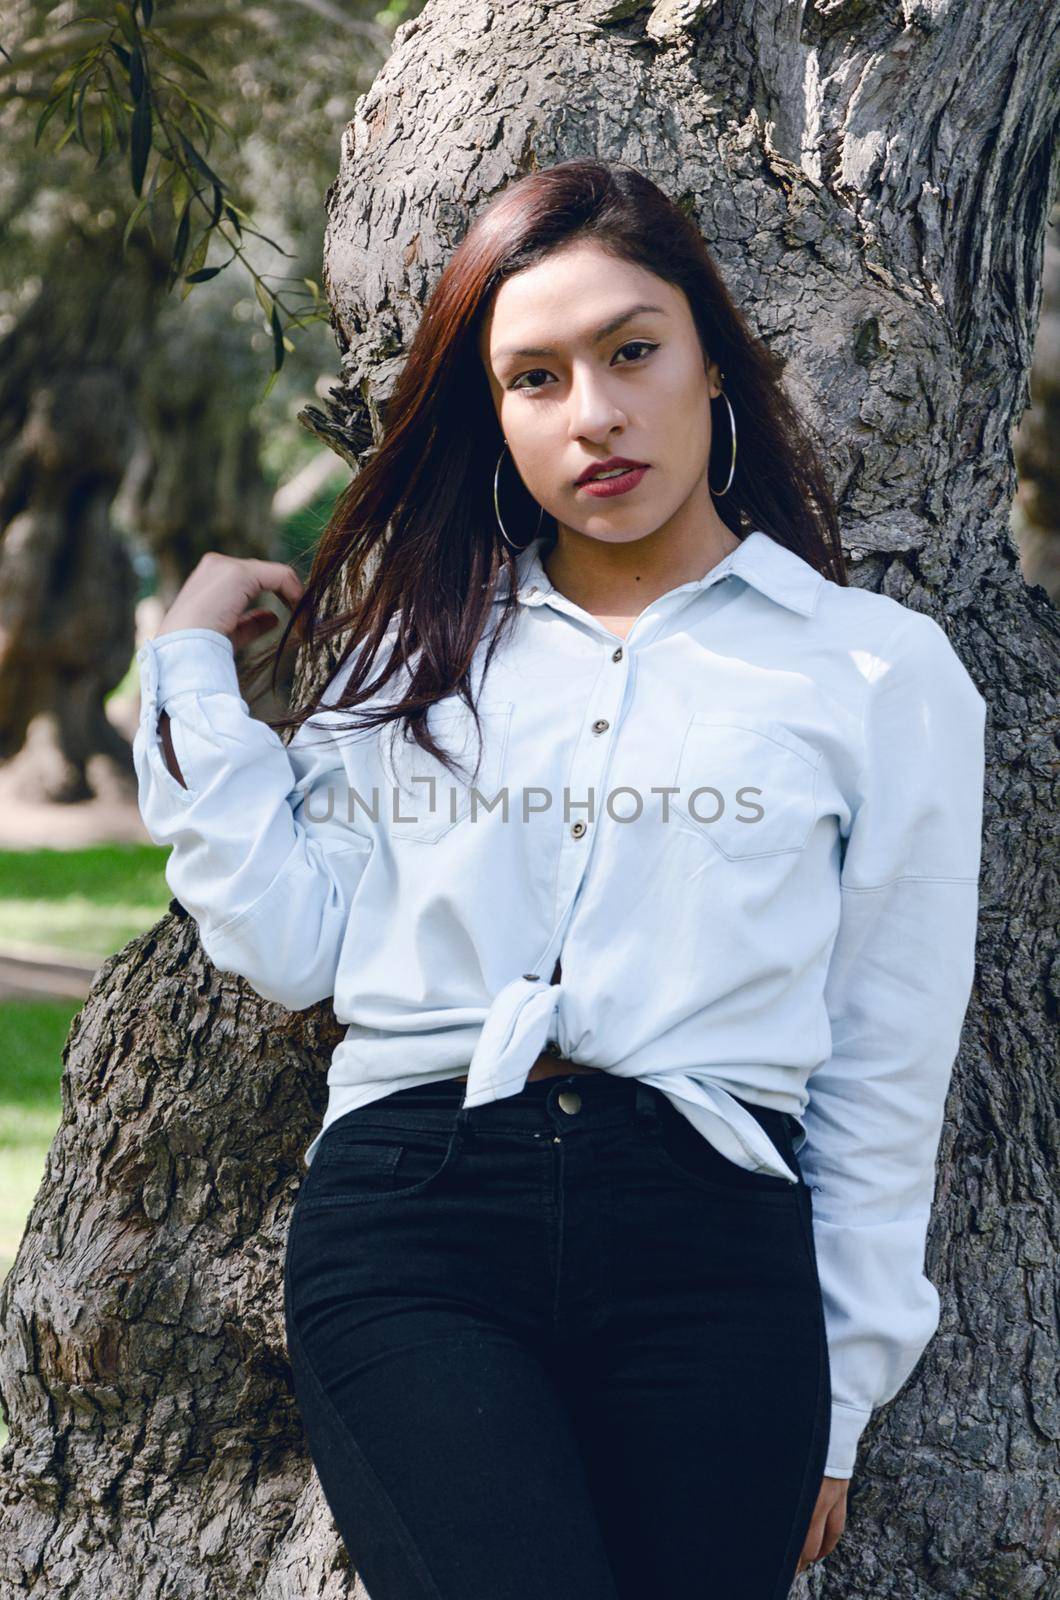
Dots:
pixel 611 365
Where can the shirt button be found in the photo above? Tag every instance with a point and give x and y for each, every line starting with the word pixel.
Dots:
pixel 600 725
pixel 578 829
pixel 531 977
pixel 616 655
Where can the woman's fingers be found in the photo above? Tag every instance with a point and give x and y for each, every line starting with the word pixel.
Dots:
pixel 219 591
pixel 826 1524
pixel 834 1525
pixel 252 625
pixel 275 577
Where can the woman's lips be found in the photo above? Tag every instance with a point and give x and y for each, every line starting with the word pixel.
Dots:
pixel 602 488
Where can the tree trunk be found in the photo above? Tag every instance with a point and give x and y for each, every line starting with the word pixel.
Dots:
pixel 113 406
pixel 877 195
pixel 1036 513
pixel 197 483
pixel 67 585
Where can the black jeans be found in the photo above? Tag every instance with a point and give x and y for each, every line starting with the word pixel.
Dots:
pixel 557 1347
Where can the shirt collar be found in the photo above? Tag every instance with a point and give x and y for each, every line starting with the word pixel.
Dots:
pixel 760 561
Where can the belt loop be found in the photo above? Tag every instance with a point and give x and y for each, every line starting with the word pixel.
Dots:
pixel 464 1130
pixel 646 1105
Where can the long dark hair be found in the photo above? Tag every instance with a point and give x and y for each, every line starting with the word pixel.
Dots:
pixel 413 548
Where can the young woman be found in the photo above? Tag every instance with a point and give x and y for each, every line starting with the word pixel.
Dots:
pixel 644 875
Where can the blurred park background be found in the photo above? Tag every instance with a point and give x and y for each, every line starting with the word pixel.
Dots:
pixel 155 376
pixel 145 420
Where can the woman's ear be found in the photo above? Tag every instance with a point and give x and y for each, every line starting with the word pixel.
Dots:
pixel 714 379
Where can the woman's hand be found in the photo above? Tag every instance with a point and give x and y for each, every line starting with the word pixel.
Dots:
pixel 218 592
pixel 828 1521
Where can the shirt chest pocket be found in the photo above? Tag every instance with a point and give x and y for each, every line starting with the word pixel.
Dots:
pixel 746 785
pixel 422 799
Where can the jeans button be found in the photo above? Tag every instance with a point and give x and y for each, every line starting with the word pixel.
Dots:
pixel 569 1100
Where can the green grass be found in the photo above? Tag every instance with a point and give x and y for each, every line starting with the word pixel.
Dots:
pixel 32 1035
pixel 110 874
pixel 90 901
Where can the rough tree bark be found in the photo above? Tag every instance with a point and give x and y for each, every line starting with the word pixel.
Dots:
pixel 874 179
pixel 1036 513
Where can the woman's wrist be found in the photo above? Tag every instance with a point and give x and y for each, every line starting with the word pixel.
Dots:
pixel 167 747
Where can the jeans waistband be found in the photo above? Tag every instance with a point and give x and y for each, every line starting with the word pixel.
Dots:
pixel 605 1099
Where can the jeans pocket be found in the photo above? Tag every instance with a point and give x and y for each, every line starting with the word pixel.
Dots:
pixel 360 1162
pixel 686 1154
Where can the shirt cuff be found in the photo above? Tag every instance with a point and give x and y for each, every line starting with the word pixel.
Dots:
pixel 187 660
pixel 848 1424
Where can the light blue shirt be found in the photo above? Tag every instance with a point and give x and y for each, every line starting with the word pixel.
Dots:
pixel 750 831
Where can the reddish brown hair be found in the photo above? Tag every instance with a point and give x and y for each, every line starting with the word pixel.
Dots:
pixel 413 541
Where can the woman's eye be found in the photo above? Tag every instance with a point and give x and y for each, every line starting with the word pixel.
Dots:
pixel 632 344
pixel 642 343
pixel 518 384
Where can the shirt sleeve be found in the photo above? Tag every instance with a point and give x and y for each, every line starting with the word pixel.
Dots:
pixel 262 854
pixel 898 986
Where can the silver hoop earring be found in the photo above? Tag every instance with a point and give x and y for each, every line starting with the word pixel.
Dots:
pixel 497 508
pixel 732 464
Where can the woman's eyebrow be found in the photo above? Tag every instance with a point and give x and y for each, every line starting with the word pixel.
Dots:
pixel 601 333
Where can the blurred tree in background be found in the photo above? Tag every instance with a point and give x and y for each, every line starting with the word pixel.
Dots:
pixel 133 427
pixel 1036 508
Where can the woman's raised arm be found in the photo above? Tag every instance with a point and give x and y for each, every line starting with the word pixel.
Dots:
pixel 261 854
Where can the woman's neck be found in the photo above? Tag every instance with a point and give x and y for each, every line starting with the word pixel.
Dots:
pixel 615 582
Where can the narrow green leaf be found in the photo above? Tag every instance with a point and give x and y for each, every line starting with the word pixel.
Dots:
pixel 206 113
pixel 182 194
pixel 197 260
pixel 201 277
pixel 200 121
pixel 46 115
pixel 277 340
pixel 180 245
pixel 264 297
pixel 134 218
pixel 121 127
pixel 136 73
pixel 81 116
pixel 106 132
pixel 122 54
pixel 147 7
pixel 63 80
pixel 181 59
pixel 230 213
pixel 125 21
pixel 196 159
pixel 140 147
